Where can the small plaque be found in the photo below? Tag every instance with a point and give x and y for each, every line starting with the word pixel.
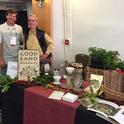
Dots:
pixel 29 64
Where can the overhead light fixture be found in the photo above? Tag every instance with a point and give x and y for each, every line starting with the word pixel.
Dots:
pixel 40 3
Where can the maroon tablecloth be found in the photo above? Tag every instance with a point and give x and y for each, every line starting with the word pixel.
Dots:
pixel 39 109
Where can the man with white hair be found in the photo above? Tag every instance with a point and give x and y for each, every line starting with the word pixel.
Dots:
pixel 38 39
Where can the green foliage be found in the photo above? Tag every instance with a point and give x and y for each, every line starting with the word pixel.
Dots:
pixel 111 60
pixel 43 80
pixel 5 83
pixel 121 65
pixel 103 59
pixel 92 97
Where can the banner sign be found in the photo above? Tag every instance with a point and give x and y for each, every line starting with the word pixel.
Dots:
pixel 28 64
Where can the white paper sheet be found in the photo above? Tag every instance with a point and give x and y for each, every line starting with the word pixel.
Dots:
pixel 56 95
pixel 12 69
pixel 70 97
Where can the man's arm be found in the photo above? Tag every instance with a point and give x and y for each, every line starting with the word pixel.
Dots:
pixel 22 40
pixel 1 51
pixel 50 46
pixel 1 56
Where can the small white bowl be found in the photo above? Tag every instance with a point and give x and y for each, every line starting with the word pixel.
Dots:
pixel 70 70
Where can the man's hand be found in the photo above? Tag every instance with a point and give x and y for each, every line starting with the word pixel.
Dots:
pixel 44 56
pixel 2 63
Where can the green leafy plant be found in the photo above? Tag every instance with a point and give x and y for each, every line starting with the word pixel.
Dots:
pixel 43 80
pixel 111 60
pixel 102 58
pixel 5 83
pixel 96 57
pixel 90 96
pixel 121 65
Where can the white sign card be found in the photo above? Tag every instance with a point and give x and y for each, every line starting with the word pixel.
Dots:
pixel 12 69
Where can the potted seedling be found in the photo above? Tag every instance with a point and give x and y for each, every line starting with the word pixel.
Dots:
pixel 102 58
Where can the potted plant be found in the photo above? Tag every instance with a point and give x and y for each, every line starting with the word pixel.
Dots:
pixel 102 58
pixel 111 60
pixel 96 57
pixel 121 65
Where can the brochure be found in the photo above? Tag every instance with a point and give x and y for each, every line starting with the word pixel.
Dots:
pixel 108 110
pixel 95 83
pixel 70 97
pixel 56 95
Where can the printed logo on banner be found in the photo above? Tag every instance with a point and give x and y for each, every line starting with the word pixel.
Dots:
pixel 29 64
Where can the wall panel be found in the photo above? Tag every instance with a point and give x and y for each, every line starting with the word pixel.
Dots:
pixel 44 15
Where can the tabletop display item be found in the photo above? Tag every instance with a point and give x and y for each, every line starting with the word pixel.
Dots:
pixel 102 58
pixel 70 97
pixel 57 79
pixel 56 95
pixel 77 79
pixel 114 85
pixel 76 65
pixel 71 81
pixel 108 110
pixel 70 71
pixel 29 64
pixel 96 81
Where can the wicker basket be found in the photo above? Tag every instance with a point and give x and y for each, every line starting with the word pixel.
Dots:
pixel 113 95
pixel 89 71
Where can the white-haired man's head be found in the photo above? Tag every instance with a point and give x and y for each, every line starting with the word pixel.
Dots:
pixel 32 21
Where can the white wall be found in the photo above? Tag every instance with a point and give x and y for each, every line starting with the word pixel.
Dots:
pixel 97 23
pixel 58 32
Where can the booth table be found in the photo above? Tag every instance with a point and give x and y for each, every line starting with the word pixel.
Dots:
pixel 12 105
pixel 39 108
pixel 31 105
